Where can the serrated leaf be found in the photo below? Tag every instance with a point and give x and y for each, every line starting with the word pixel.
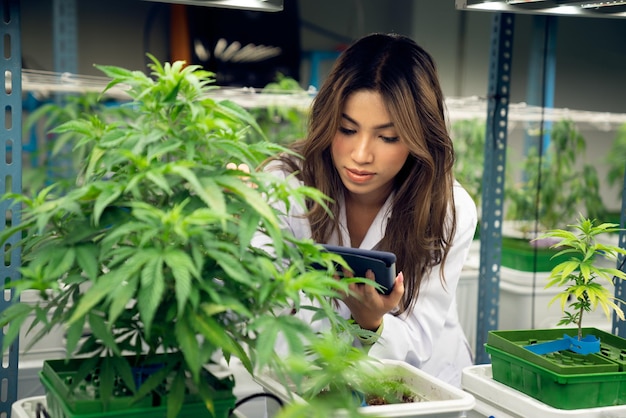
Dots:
pixel 231 265
pixel 214 332
pixel 121 297
pixel 74 334
pixel 176 395
pixel 107 196
pixel 96 293
pixel 188 344
pixel 151 291
pixel 107 381
pixel 124 371
pixel 14 316
pixel 183 269
pixel 101 330
pixel 87 259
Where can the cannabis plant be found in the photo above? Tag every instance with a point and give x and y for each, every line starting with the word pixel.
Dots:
pixel 581 275
pixel 555 186
pixel 283 114
pixel 150 249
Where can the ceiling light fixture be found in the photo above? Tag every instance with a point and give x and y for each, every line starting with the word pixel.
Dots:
pixel 582 8
pixel 598 4
pixel 525 1
pixel 253 5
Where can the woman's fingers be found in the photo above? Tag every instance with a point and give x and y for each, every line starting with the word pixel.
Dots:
pixel 244 168
pixel 241 167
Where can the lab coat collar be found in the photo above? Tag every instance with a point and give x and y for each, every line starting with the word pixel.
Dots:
pixel 375 232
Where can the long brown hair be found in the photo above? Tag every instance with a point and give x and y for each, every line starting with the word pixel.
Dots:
pixel 422 222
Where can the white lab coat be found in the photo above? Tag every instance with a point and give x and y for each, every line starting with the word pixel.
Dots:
pixel 431 337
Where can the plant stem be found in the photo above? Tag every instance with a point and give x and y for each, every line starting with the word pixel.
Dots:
pixel 580 323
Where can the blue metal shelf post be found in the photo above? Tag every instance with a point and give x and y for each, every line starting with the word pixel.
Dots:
pixel 493 180
pixel 10 177
pixel 619 327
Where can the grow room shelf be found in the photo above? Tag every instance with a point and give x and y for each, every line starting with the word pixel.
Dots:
pixel 46 83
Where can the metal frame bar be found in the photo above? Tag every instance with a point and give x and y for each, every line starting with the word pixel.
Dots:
pixel 493 180
pixel 619 327
pixel 10 177
pixel 65 41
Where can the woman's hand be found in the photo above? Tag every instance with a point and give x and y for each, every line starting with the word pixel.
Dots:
pixel 368 306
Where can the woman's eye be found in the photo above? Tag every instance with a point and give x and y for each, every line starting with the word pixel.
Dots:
pixel 390 139
pixel 346 131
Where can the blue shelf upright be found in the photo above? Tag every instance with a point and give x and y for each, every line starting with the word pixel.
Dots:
pixel 493 180
pixel 10 178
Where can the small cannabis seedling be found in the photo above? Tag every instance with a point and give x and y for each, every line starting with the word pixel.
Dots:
pixel 580 273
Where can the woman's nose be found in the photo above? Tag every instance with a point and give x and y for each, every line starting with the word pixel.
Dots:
pixel 362 152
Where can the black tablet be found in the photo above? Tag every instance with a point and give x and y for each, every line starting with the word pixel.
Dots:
pixel 382 263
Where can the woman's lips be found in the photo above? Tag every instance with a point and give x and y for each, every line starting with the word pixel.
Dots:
pixel 359 176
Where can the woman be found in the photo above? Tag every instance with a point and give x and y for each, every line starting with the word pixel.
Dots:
pixel 378 145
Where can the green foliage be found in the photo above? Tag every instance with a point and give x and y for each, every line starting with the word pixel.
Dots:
pixel 468 137
pixel 286 120
pixel 149 246
pixel 616 160
pixel 56 159
pixel 580 273
pixel 339 378
pixel 565 187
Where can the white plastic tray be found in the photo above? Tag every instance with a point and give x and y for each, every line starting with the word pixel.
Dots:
pixel 497 400
pixel 442 400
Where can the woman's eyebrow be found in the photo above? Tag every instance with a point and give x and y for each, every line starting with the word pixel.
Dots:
pixel 383 126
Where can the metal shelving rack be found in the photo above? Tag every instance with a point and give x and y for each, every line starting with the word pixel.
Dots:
pixel 493 193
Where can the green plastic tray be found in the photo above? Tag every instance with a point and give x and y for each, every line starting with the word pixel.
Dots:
pixel 518 254
pixel 83 403
pixel 567 392
pixel 612 356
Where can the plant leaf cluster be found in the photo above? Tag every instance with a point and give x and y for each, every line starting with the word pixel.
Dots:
pixel 149 250
pixel 582 274
pixel 468 136
pixel 556 186
pixel 615 160
pixel 282 123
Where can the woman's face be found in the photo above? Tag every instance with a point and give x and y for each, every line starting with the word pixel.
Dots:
pixel 366 150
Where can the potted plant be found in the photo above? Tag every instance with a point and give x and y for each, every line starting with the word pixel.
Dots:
pixel 146 259
pixel 381 388
pixel 570 368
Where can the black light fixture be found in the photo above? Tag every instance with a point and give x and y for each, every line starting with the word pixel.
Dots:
pixel 588 8
pixel 253 5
